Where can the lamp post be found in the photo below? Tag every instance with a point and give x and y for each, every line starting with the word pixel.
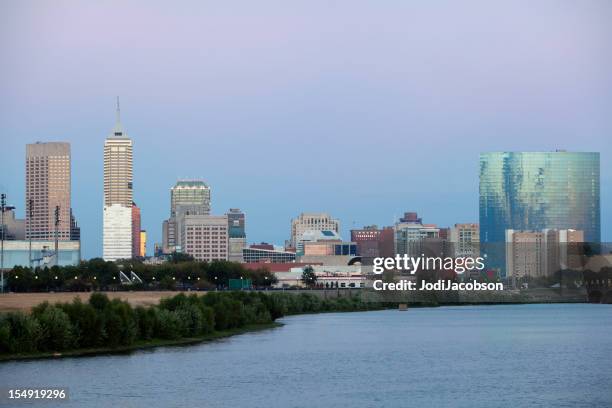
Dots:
pixel 3 208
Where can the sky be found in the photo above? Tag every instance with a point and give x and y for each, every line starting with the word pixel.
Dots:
pixel 363 109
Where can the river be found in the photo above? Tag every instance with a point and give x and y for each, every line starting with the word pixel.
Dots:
pixel 467 356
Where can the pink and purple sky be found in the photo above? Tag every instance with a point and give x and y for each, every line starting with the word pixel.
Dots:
pixel 363 109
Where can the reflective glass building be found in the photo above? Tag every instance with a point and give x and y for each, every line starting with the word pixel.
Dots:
pixel 534 191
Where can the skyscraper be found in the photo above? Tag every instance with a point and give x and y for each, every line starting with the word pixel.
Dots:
pixel 190 192
pixel 47 187
pixel 118 196
pixel 532 191
pixel 190 197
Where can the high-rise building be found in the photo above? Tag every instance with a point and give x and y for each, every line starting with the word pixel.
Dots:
pixel 237 234
pixel 191 197
pixel 525 253
pixel 190 192
pixel 542 253
pixel 312 222
pixel 204 236
pixel 118 194
pixel 532 191
pixel 135 231
pixel 48 189
pixel 236 221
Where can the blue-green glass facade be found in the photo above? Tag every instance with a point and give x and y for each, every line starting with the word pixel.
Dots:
pixel 537 190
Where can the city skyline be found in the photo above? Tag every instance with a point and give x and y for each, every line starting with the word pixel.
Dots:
pixel 278 121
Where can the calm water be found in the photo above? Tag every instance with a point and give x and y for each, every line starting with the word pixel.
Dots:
pixel 471 356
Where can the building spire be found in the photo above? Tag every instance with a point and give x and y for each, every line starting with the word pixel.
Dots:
pixel 118 130
pixel 118 112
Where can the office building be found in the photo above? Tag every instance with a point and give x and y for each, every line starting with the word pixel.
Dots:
pixel 189 196
pixel 237 234
pixel 205 237
pixel 542 253
pixel 236 223
pixel 315 236
pixel 525 253
pixel 327 247
pixel 235 249
pixel 48 191
pixel 373 242
pixel 191 192
pixel 117 232
pixel 532 191
pixel 410 232
pixel 136 221
pixel 118 194
pixel 311 222
pixel 267 253
pixel 465 240
pixel 13 228
pixel 75 230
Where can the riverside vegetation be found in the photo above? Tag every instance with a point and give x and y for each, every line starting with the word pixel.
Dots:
pixel 181 272
pixel 103 325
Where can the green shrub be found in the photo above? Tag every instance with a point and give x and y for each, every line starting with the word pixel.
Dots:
pixel 147 321
pixel 99 300
pixel 5 334
pixel 25 333
pixel 120 322
pixel 191 317
pixel 56 329
pixel 87 324
pixel 169 325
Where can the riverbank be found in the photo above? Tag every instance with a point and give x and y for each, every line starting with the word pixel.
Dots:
pixel 142 345
pixel 102 325
pixel 10 302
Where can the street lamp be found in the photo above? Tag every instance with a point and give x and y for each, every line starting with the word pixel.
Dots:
pixel 3 208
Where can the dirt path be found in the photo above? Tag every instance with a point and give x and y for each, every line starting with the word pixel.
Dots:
pixel 25 301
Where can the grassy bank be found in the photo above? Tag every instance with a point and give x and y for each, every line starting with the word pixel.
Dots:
pixel 102 326
pixel 140 345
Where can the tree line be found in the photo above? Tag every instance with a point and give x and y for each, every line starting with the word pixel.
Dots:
pixel 180 272
pixel 101 323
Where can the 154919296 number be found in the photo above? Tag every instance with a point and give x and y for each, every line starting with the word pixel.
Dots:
pixel 38 393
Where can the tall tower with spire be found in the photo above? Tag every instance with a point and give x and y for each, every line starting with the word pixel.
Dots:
pixel 118 195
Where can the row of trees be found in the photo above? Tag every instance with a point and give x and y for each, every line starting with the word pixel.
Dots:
pixel 97 274
pixel 108 324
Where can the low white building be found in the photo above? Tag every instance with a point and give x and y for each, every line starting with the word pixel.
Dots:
pixel 328 276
